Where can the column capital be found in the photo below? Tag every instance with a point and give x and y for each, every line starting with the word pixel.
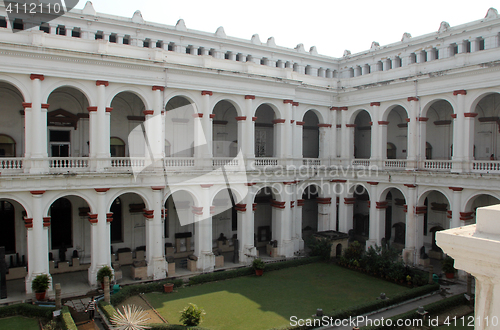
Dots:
pixel 157 188
pixel 407 120
pixel 460 92
pixel 28 223
pixel 466 216
pixel 334 108
pixel 411 186
pixel 40 77
pixel 372 183
pixel 241 118
pixel 289 182
pixel 92 109
pixel 420 209
pixel 249 97
pixel 250 184
pixel 422 119
pixel 197 115
pixel 241 207
pixel 109 109
pixel 324 201
pixel 288 101
pixel 206 186
pixel 324 125
pixel 149 214
pixel 344 108
pixel 27 105
pixel 458 189
pixel 383 122
pixel 93 218
pixel 212 115
pixel 37 192
pixel 382 205
pixel 279 121
pixel 375 104
pixel 412 98
pixel 102 83
pixel 338 181
pixel 46 221
pixel 350 125
pixel 300 123
pixel 148 112
pixel 109 217
pixel 197 210
pixel 349 200
pixel 295 104
pixel 158 88
pixel 454 115
pixel 101 190
pixel 300 202
pixel 209 93
pixel 470 114
pixel 277 204
pixel 45 106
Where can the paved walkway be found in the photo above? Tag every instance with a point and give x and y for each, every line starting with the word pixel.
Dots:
pixel 451 288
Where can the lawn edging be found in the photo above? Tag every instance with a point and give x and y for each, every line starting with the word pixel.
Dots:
pixel 245 271
pixel 435 307
pixel 135 289
pixel 28 310
pixel 67 319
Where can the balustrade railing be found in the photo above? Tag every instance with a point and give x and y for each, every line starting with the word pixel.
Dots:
pixel 227 161
pixel 360 162
pixel 121 162
pixel 11 163
pixel 311 162
pixel 69 162
pixel 395 163
pixel 265 161
pixel 438 165
pixel 179 162
pixel 486 166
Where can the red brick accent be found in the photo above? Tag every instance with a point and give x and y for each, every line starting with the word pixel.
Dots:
pixel 289 183
pixel 460 92
pixel 470 114
pixel 292 204
pixel 109 109
pixel 207 93
pixel 456 188
pixel 422 119
pixel 421 210
pixel 102 83
pixel 278 205
pixel 334 108
pixel 371 123
pixel 279 121
pixel 382 205
pixel 197 115
pixel 93 218
pixel 254 118
pixel 466 216
pixel 343 108
pixel 407 120
pixel 454 115
pixel 148 112
pixel 375 104
pixel 197 210
pixel 325 125
pixel 26 105
pixel 241 118
pixel 383 122
pixel 206 185
pixel 46 221
pixel 212 115
pixel 240 207
pixel 295 104
pixel 324 201
pixel 405 208
pixel 28 222
pixel 249 97
pixel 100 190
pixel 350 125
pixel 288 101
pixel 159 88
pixel 254 207
pixel 34 76
pixel 300 123
pixel 45 106
pixel 339 126
pixel 449 214
pixel 410 185
pixel 339 181
pixel 163 213
pixel 158 187
pixel 212 209
pixel 149 214
pixel 37 192
pixel 292 121
pixel 372 183
pixel 249 184
pixel 412 98
pixel 92 109
pixel 349 201
pixel 300 202
pixel 109 217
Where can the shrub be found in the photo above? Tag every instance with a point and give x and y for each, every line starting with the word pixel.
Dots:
pixel 67 319
pixel 103 272
pixel 132 290
pixel 320 247
pixel 354 251
pixel 448 265
pixel 40 283
pixel 27 310
pixel 107 309
pixel 192 315
pixel 258 264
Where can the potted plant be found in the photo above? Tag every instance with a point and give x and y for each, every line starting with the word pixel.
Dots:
pixel 40 285
pixel 102 273
pixel 259 266
pixel 168 287
pixel 448 268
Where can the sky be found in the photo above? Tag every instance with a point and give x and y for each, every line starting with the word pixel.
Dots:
pixel 330 25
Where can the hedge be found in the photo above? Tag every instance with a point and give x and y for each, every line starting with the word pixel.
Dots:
pixel 67 319
pixel 132 290
pixel 245 271
pixel 27 310
pixel 433 309
pixel 107 309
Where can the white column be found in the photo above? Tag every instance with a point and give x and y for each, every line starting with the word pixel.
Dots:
pixel 324 141
pixel 382 133
pixel 455 207
pixel 332 219
pixel 346 205
pixel 334 136
pixel 375 145
pixel 412 133
pixel 380 217
pixel 374 223
pixel 460 133
pixel 155 252
pixel 38 127
pixel 344 152
pixel 287 130
pixel 409 250
pixel 102 124
pixel 207 125
pixel 279 143
pixel 38 241
pixel 93 137
pixel 28 141
pixel 299 245
pixel 100 237
pixel 203 234
pixel 294 151
pixel 324 206
pixel 248 141
pixel 156 140
pixel 299 132
pixel 246 227
pixel 242 133
pixel 198 138
pixel 422 132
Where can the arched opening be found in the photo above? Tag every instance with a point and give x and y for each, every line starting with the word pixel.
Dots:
pixel 127 114
pixel 395 219
pixel 362 135
pixel 225 130
pixel 487 128
pixel 265 145
pixel 224 227
pixel 482 200
pixel 117 147
pixel 435 218
pixel 68 123
pixel 397 132
pixel 12 123
pixel 439 131
pixel 361 214
pixel 391 151
pixel 338 250
pixel 310 211
pixel 264 224
pixel 310 135
pixel 180 126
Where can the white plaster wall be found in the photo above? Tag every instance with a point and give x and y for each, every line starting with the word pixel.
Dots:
pixel 12 122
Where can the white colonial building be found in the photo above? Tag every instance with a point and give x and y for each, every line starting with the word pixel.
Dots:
pixel 120 139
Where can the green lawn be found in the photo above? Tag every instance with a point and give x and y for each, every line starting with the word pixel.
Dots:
pixel 19 322
pixel 265 302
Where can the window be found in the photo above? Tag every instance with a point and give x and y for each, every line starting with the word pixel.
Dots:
pixel 159 44
pixel 116 224
pixel 7 146
pixel 61 30
pixel 61 224
pixel 3 22
pixel 59 143
pixel 126 40
pixel 112 37
pixel 428 151
pixel 8 232
pixel 99 35
pixel 170 47
pixel 45 27
pixel 18 24
pixel 391 151
pixel 467 46
pixel 76 33
pixel 146 43
pixel 481 43
pixel 117 147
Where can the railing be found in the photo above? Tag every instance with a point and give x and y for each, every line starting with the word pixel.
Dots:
pixel 218 162
pixel 311 162
pixel 486 166
pixel 262 161
pixel 395 163
pixel 439 165
pixel 11 163
pixel 128 162
pixel 69 162
pixel 179 162
pixel 360 162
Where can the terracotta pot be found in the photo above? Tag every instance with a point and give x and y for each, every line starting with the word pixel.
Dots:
pixel 169 287
pixel 259 272
pixel 40 295
pixel 450 275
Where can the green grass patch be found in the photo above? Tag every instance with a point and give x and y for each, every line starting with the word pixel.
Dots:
pixel 19 322
pixel 269 301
